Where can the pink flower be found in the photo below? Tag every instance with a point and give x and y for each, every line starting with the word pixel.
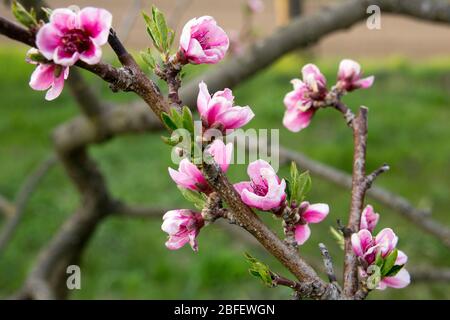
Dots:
pixel 300 102
pixel 218 111
pixel 183 226
pixel 265 191
pixel 255 6
pixel 190 177
pixel 309 213
pixel 366 247
pixel 349 76
pixel 48 76
pixel 369 219
pixel 71 36
pixel 203 41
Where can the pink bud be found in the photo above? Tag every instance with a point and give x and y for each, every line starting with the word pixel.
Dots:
pixel 70 36
pixel 48 76
pixel 203 41
pixel 310 213
pixel 218 111
pixel 369 219
pixel 183 226
pixel 349 76
pixel 265 191
pixel 300 102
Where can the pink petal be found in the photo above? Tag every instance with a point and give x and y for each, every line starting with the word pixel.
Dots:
pixel 348 69
pixel 42 77
pixel 361 241
pixel 369 219
pixel 235 117
pixel 302 233
pixel 402 258
pixel 296 120
pixel 226 93
pixel 387 240
pixel 399 281
pixel 203 98
pixel 365 83
pixel 221 153
pixel 215 107
pixel 241 186
pixel 56 88
pixel 92 55
pixel 254 170
pixel 177 242
pixel 315 213
pixel 47 40
pixel 186 34
pixel 64 59
pixel 63 19
pixel 96 22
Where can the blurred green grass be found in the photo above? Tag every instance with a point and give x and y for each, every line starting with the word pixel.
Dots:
pixel 409 129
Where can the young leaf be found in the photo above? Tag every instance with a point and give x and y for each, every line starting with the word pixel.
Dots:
pixel 47 11
pixel 394 270
pixel 188 121
pixel 304 185
pixel 148 59
pixel 172 141
pixel 294 183
pixel 153 32
pixel 167 120
pixel 339 237
pixel 194 197
pixel 389 262
pixel 176 117
pixel 28 19
pixel 288 190
pixel 161 25
pixel 259 270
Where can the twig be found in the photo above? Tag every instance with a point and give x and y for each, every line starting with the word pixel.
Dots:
pixel 328 263
pixel 22 198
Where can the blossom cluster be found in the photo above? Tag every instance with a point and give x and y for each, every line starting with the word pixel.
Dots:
pixel 376 251
pixel 311 93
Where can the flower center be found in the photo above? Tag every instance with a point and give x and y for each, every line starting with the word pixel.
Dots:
pixel 203 39
pixel 260 189
pixel 75 40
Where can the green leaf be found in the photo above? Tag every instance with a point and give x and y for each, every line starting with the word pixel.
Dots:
pixel 28 19
pixel 379 260
pixel 339 236
pixel 304 185
pixel 188 121
pixel 196 198
pixel 148 59
pixel 176 117
pixel 161 25
pixel 47 11
pixel 152 30
pixel 172 141
pixel 259 270
pixel 389 262
pixel 167 120
pixel 394 270
pixel 294 182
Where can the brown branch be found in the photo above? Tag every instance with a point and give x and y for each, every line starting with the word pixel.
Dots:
pixel 328 263
pixel 24 194
pixel 359 188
